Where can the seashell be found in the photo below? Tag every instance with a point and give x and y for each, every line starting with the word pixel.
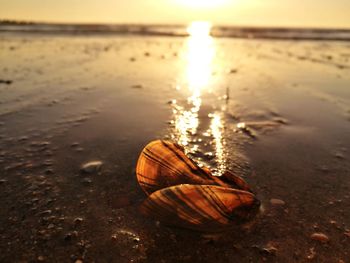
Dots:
pixel 183 194
pixel 201 207
pixel 163 164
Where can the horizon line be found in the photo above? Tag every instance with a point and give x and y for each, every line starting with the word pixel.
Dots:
pixel 83 23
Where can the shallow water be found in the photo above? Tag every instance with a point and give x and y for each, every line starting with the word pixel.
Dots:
pixel 275 112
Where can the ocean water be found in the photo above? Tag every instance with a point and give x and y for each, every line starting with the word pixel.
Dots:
pixel 179 30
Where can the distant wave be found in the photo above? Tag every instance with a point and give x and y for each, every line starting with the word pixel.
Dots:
pixel 176 31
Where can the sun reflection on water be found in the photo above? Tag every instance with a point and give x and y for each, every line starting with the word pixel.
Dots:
pixel 199 58
pixel 216 128
pixel 199 55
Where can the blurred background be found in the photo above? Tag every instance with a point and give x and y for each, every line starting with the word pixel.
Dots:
pixel 283 13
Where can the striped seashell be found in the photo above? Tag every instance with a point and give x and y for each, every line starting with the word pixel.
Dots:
pixel 183 194
pixel 163 164
pixel 206 208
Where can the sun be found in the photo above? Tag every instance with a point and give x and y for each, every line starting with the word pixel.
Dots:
pixel 202 3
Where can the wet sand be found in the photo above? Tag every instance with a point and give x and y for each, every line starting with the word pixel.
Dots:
pixel 275 112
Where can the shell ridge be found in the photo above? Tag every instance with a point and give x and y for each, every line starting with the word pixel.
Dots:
pixel 219 210
pixel 190 165
pixel 150 207
pixel 156 158
pixel 148 178
pixel 194 168
pixel 187 204
pixel 164 162
pixel 157 199
pixel 239 198
pixel 235 181
pixel 140 171
pixel 147 184
pixel 238 194
pixel 186 216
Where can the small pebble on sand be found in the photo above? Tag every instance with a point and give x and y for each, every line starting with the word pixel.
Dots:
pixel 270 249
pixel 339 155
pixel 347 233
pixel 312 254
pixel 2 181
pixel 137 86
pixel 79 149
pixel 320 237
pixel 86 181
pixel 23 138
pixel 275 201
pixel 74 144
pixel 7 82
pixel 91 167
pixel 49 171
pixel 78 220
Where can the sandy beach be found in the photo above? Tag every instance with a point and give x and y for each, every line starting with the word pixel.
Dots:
pixel 276 112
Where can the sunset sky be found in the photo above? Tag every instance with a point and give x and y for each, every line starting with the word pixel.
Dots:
pixel 306 13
